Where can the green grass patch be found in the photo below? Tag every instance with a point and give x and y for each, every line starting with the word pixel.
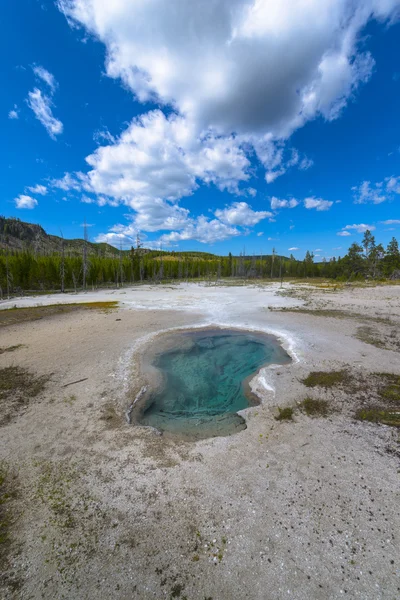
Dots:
pixel 334 314
pixel 391 393
pixel 370 336
pixel 314 407
pixel 17 387
pixel 389 389
pixel 12 316
pixel 21 383
pixel 379 415
pixel 8 492
pixel 327 379
pixel 285 414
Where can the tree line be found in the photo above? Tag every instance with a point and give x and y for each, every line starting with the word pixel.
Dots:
pixel 26 270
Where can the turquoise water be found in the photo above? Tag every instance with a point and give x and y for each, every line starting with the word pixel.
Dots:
pixel 204 379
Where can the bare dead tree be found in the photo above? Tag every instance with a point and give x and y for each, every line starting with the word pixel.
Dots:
pixel 161 272
pixel 272 262
pixel 84 254
pixel 121 272
pixel 180 267
pixel 141 265
pixel 75 281
pixel 62 264
pixel 8 277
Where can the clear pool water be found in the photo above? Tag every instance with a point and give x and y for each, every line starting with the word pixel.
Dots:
pixel 204 380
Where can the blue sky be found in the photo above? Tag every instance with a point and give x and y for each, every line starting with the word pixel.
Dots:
pixel 208 126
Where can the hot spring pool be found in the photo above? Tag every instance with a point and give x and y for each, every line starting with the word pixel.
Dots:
pixel 202 379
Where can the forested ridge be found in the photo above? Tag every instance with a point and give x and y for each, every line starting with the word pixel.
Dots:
pixel 31 260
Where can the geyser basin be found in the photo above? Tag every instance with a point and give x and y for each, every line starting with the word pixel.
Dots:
pixel 199 379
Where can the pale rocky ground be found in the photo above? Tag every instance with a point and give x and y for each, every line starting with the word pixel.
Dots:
pixel 306 509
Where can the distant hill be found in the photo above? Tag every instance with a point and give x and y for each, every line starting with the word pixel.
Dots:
pixel 18 235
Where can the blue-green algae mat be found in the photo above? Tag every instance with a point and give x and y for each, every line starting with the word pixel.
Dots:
pixel 205 380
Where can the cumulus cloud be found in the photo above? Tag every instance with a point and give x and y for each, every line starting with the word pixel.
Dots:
pixel 46 76
pixel 243 74
pixel 309 203
pixel 41 106
pixel 294 249
pixel 240 213
pixel 229 67
pixel 87 200
pixel 202 230
pixel 378 192
pixel 23 201
pixel 360 228
pixel 276 164
pixel 317 203
pixel 157 161
pixel 235 79
pixel 260 233
pixel 390 222
pixel 121 235
pixel 276 203
pixel 38 189
pixel 14 114
pixel 68 182
pixel 103 135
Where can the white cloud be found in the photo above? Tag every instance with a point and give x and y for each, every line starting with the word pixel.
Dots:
pixel 393 185
pixel 270 176
pixel 240 73
pixel 229 67
pixel 305 164
pixel 202 230
pixel 274 161
pixel 240 213
pixel 47 77
pixel 294 249
pixel 317 203
pixel 14 113
pixel 260 233
pixel 67 183
pixel 103 135
pixel 23 201
pixel 38 189
pixel 361 228
pixel 318 250
pixel 154 163
pixel 378 192
pixel 121 235
pixel 276 203
pixel 41 106
pixel 390 222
